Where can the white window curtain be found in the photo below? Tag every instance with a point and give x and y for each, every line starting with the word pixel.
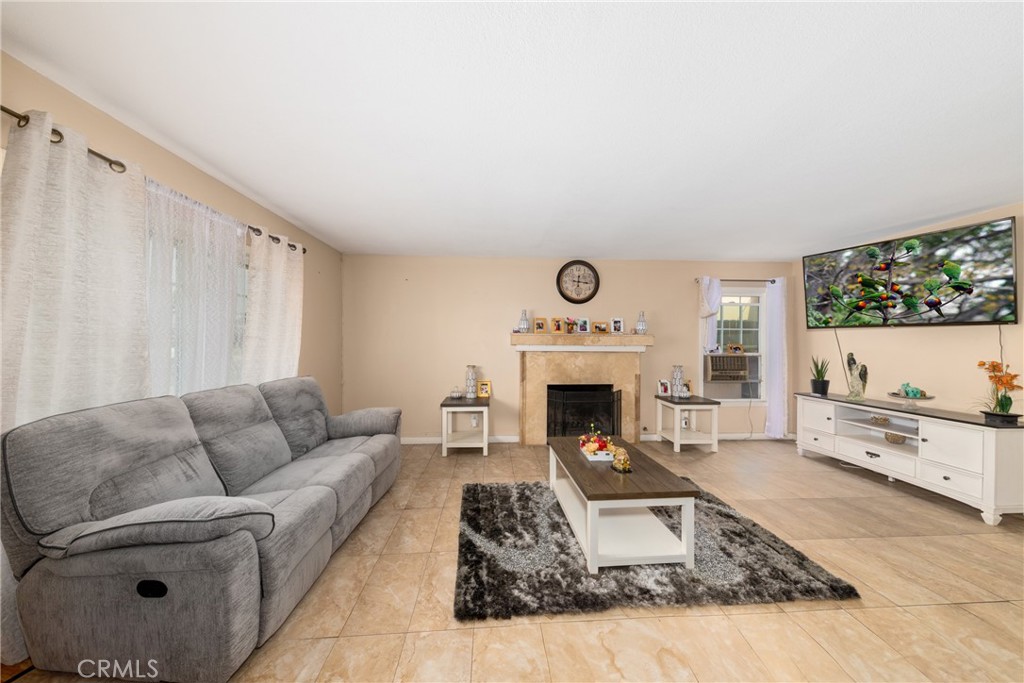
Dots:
pixel 273 312
pixel 710 301
pixel 196 293
pixel 72 284
pixel 75 329
pixel 776 372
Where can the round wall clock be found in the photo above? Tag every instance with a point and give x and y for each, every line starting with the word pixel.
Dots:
pixel 577 282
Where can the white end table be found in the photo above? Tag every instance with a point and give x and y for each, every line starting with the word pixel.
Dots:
pixel 691 406
pixel 466 438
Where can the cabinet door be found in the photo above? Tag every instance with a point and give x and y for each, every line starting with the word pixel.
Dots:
pixel 818 415
pixel 953 445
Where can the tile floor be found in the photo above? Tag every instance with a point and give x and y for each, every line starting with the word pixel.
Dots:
pixel 941 591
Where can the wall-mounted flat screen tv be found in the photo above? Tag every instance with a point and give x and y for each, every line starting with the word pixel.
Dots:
pixel 959 276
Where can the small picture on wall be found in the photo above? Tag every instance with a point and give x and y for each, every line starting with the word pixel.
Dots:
pixel 583 325
pixel 483 388
pixel 663 387
pixel 557 326
pixel 618 327
pixel 600 327
pixel 540 325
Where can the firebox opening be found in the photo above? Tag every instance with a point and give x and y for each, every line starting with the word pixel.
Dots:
pixel 572 408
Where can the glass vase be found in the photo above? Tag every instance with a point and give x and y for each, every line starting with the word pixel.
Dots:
pixel 524 323
pixel 470 381
pixel 677 381
pixel 641 324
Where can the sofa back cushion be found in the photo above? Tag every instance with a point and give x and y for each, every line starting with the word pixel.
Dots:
pixel 96 463
pixel 239 433
pixel 299 409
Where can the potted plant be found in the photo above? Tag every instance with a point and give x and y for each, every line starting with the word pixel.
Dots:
pixel 1003 382
pixel 819 370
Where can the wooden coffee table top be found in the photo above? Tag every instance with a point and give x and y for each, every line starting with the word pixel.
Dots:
pixel 598 481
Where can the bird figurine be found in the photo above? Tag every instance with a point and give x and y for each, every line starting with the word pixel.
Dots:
pixel 858 378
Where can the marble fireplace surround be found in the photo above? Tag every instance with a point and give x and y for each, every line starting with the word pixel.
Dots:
pixel 577 359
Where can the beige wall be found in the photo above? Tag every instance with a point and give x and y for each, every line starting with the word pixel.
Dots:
pixel 24 89
pixel 413 323
pixel 941 360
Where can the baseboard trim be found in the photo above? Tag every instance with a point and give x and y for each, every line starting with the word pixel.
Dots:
pixel 418 440
pixel 738 436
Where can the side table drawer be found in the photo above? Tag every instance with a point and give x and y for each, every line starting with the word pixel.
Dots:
pixel 949 478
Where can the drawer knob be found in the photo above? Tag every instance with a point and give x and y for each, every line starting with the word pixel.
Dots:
pixel 872 455
pixel 829 419
pixel 945 477
pixel 815 438
pixel 924 440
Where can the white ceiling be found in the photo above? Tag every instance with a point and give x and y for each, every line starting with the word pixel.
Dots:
pixel 596 130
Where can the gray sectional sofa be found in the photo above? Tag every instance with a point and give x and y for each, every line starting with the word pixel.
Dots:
pixel 177 534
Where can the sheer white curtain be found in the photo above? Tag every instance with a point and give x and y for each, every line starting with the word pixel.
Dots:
pixel 776 371
pixel 710 301
pixel 273 312
pixel 196 293
pixel 73 275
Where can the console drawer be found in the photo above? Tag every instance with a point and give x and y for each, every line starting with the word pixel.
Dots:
pixel 877 457
pixel 954 446
pixel 948 478
pixel 826 442
pixel 818 416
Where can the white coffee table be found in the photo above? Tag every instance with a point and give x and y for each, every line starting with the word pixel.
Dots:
pixel 610 513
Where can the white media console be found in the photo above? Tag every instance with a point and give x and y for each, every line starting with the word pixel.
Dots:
pixel 955 454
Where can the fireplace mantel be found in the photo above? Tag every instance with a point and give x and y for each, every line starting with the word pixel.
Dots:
pixel 577 359
pixel 568 343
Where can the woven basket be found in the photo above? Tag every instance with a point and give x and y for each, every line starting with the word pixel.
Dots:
pixel 879 419
pixel 895 438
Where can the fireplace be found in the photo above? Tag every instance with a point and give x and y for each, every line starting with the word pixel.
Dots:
pixel 550 359
pixel 572 408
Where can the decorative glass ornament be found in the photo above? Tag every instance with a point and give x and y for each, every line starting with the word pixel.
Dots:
pixel 641 324
pixel 524 323
pixel 470 381
pixel 677 381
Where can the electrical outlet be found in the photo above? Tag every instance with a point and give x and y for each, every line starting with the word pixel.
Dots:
pixel 474 420
pixel 684 422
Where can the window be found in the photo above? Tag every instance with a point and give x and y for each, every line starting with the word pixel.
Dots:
pixel 734 371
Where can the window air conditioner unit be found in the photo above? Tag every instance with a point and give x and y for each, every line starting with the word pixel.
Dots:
pixel 726 368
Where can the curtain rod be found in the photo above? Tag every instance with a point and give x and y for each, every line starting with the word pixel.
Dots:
pixel 57 137
pixel 274 238
pixel 754 279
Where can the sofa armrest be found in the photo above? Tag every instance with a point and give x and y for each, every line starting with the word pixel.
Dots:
pixel 187 520
pixel 365 422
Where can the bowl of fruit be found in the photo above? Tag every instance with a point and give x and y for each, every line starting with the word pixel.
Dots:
pixel 596 447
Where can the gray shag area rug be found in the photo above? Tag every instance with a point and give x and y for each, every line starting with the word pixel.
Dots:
pixel 518 556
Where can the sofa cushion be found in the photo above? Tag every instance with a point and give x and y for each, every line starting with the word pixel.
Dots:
pixel 299 409
pixel 347 476
pixel 301 518
pixel 97 463
pixel 336 447
pixel 365 422
pixel 382 449
pixel 189 520
pixel 239 434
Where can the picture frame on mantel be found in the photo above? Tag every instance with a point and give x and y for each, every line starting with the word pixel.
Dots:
pixel 557 326
pixel 540 325
pixel 618 326
pixel 600 327
pixel 583 325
